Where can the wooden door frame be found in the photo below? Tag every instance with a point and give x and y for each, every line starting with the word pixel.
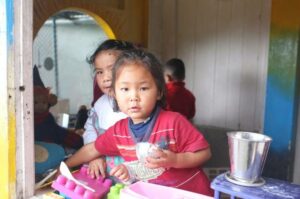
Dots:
pixel 17 153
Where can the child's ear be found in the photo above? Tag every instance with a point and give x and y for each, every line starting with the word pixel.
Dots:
pixel 168 78
pixel 159 96
pixel 52 99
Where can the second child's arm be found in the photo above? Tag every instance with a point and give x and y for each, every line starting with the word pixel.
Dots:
pixel 168 159
pixel 84 154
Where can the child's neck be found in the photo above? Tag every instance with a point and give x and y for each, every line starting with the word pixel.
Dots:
pixel 144 120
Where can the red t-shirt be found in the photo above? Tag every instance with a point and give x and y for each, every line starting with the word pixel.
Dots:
pixel 183 137
pixel 181 100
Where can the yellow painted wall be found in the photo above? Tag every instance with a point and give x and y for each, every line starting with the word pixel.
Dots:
pixel 7 157
pixel 5 171
pixel 286 13
pixel 128 19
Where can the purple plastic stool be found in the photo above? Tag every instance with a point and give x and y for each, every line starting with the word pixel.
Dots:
pixel 273 189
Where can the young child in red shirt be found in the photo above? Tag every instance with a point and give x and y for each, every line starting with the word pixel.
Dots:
pixel 139 90
pixel 179 99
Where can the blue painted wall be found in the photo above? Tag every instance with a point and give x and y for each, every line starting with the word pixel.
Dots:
pixel 281 95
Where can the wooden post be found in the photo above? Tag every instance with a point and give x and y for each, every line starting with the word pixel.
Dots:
pixel 16 117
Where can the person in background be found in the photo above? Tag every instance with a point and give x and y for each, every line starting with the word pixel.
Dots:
pixel 46 129
pixel 102 116
pixel 179 99
pixel 139 90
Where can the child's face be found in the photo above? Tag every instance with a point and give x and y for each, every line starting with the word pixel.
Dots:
pixel 103 69
pixel 136 92
pixel 40 103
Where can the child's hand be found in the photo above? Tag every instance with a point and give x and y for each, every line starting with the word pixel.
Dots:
pixel 161 158
pixel 79 131
pixel 121 172
pixel 97 167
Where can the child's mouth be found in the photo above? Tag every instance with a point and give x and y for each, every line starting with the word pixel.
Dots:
pixel 107 88
pixel 134 109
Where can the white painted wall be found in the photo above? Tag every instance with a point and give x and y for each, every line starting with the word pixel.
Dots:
pixel 224 44
pixel 75 43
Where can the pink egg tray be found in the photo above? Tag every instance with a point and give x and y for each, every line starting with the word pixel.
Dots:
pixel 70 189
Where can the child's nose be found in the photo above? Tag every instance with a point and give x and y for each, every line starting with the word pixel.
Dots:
pixel 133 99
pixel 134 96
pixel 106 80
pixel 107 76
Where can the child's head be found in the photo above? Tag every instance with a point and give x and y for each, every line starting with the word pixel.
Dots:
pixel 138 84
pixel 43 99
pixel 174 70
pixel 103 59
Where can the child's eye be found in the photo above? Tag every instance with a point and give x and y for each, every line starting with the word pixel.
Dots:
pixel 98 72
pixel 124 89
pixel 144 88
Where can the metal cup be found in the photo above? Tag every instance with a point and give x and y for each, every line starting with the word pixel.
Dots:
pixel 247 153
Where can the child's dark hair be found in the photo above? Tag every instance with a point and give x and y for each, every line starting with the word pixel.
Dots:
pixel 110 44
pixel 149 61
pixel 176 68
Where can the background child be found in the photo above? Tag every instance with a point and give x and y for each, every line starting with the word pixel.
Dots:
pixel 45 127
pixel 179 99
pixel 139 88
pixel 102 115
